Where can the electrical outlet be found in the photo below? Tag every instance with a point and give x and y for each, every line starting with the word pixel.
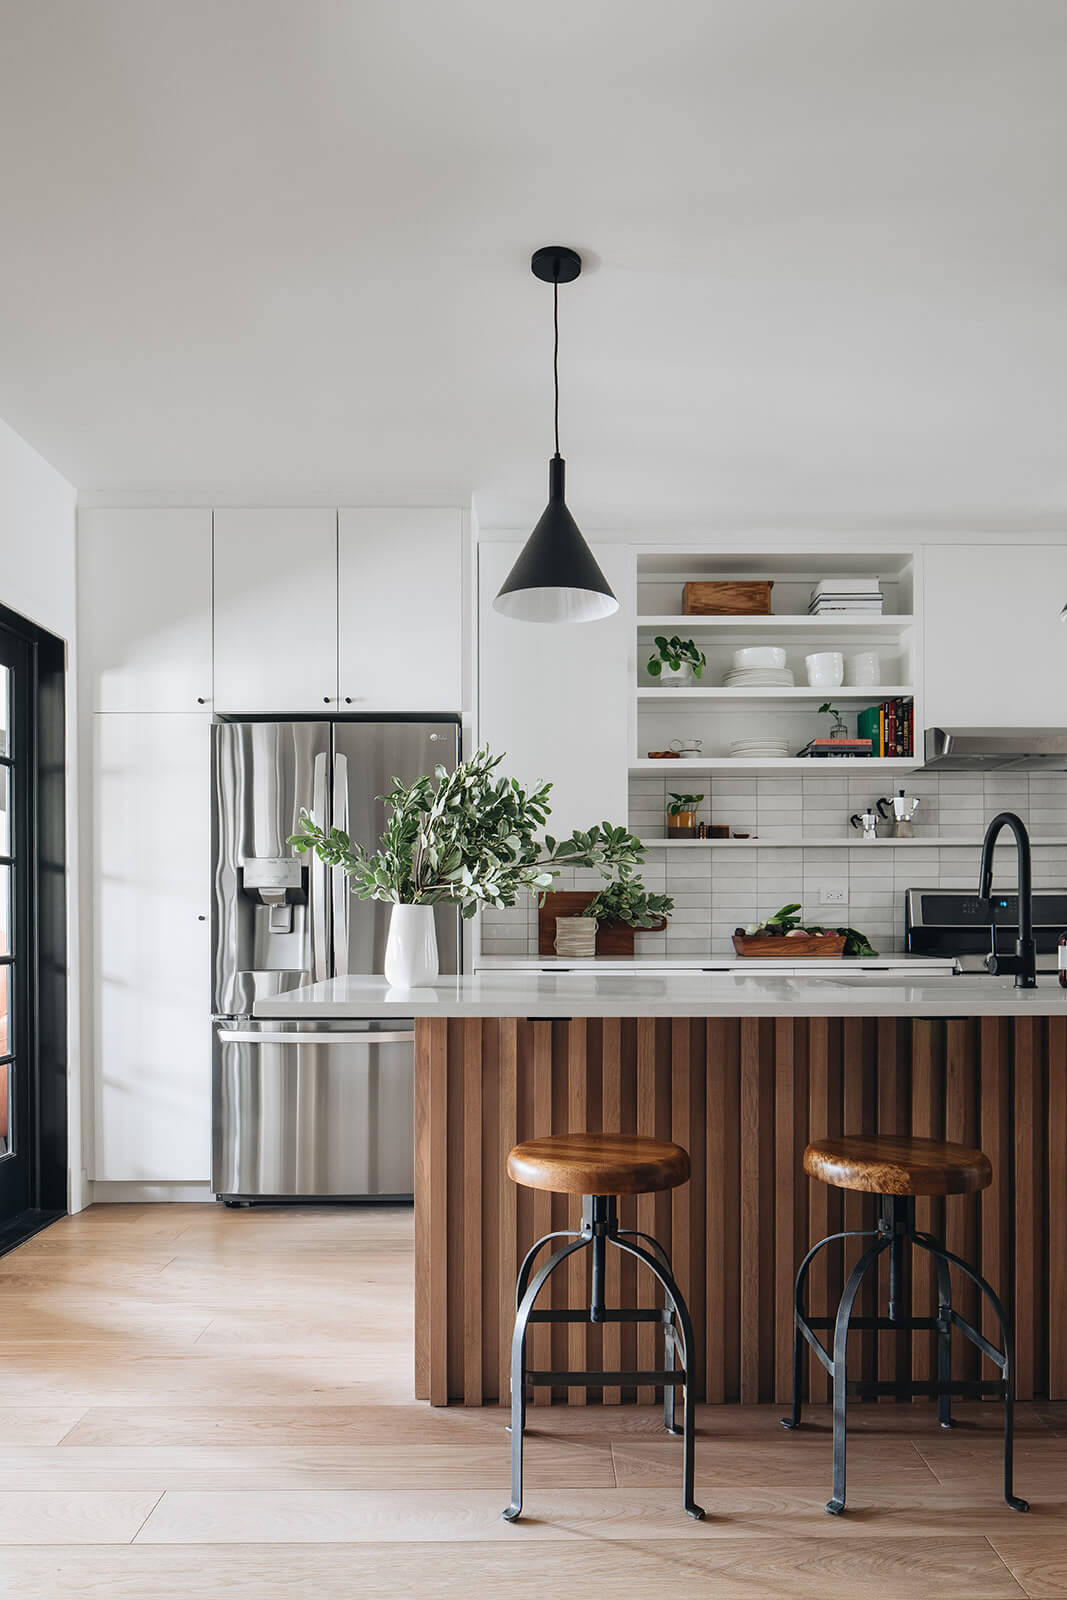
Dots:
pixel 833 897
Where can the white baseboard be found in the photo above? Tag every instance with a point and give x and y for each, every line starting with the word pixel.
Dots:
pixel 107 1193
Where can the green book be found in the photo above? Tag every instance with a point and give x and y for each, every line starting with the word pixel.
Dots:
pixel 867 727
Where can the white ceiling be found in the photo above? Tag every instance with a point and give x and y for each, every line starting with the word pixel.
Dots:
pixel 269 250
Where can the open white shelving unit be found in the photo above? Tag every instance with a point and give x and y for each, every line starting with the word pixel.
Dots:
pixel 718 715
pixel 851 841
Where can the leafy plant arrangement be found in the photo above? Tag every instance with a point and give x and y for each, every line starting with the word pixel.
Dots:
pixel 677 803
pixel 676 653
pixel 627 900
pixel 787 923
pixel 838 730
pixel 467 837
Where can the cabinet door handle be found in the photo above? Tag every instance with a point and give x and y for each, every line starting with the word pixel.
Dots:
pixel 200 700
pixel 326 699
pixel 201 919
pixel 348 699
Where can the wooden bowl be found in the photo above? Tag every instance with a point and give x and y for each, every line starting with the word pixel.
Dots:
pixel 783 949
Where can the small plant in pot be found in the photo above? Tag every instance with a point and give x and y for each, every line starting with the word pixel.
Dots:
pixel 682 815
pixel 465 838
pixel 676 662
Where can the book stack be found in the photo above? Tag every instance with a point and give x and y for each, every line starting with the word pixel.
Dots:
pixel 860 596
pixel 837 748
pixel 890 727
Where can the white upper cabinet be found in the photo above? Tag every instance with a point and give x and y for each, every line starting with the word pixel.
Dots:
pixel 995 648
pixel 400 610
pixel 275 611
pixel 151 951
pixel 556 696
pixel 144 619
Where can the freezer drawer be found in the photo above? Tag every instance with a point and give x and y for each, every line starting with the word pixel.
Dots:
pixel 313 1112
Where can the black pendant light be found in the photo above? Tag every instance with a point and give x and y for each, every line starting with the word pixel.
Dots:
pixel 556 578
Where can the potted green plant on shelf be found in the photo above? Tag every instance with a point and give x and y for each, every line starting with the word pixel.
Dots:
pixel 465 838
pixel 676 662
pixel 682 815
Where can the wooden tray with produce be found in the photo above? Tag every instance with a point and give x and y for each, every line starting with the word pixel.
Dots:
pixel 784 937
pixel 791 947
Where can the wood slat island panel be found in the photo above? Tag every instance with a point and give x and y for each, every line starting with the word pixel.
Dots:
pixel 743 1096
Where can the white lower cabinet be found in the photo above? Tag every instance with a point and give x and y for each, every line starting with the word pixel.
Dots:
pixel 149 897
pixel 556 696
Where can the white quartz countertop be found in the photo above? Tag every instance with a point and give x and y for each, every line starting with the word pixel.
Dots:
pixel 673 994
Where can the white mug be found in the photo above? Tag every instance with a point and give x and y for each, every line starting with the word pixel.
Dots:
pixel 826 670
pixel 688 747
pixel 863 670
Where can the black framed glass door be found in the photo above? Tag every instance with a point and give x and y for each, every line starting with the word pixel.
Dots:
pixel 33 963
pixel 17 875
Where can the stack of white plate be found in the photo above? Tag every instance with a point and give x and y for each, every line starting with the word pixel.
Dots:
pixel 765 748
pixel 758 678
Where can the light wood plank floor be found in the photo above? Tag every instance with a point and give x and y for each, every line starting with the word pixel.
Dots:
pixel 197 1402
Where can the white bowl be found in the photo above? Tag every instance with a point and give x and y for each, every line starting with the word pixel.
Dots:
pixel 759 655
pixel 826 669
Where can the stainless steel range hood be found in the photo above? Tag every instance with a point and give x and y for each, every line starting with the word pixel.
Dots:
pixel 995 749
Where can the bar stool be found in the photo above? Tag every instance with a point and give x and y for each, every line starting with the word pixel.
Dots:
pixel 896 1170
pixel 600 1167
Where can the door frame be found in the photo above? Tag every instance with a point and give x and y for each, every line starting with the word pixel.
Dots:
pixel 46 986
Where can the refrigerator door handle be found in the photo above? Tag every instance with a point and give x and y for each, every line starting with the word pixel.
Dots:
pixel 317 873
pixel 248 1036
pixel 341 892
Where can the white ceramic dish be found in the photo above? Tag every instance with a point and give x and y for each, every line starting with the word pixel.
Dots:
pixel 759 655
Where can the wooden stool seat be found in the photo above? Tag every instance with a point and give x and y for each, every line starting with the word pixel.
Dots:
pixel 888 1164
pixel 599 1163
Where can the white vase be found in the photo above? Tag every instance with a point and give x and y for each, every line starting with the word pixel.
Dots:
pixel 411 949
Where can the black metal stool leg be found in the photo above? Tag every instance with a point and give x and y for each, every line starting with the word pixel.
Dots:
pixel 523 1279
pixel 518 1369
pixel 1004 1359
pixel 670 1392
pixel 688 1346
pixel 793 1421
pixel 944 1340
pixel 844 1315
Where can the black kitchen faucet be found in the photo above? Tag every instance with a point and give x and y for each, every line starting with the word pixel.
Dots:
pixel 1023 962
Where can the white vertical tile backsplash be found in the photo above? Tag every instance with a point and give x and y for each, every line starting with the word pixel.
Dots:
pixel 716 890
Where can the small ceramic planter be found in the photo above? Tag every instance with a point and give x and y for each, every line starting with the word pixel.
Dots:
pixel 682 678
pixel 576 936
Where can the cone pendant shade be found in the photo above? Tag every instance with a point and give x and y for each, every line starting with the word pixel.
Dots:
pixel 556 578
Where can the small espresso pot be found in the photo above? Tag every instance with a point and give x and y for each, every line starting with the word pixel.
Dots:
pixel 868 821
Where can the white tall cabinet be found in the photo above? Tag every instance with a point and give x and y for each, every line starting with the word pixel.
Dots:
pixel 144 596
pixel 556 696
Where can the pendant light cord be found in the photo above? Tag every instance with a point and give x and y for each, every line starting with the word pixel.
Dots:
pixel 555 350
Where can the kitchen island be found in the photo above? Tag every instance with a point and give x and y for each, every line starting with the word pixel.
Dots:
pixel 742 1071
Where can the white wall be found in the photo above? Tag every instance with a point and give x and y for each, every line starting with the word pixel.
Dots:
pixel 37 579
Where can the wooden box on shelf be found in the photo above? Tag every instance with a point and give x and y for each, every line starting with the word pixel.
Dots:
pixel 784 949
pixel 612 938
pixel 727 599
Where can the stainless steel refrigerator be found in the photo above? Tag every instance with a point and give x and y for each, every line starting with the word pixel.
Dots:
pixel 301 1111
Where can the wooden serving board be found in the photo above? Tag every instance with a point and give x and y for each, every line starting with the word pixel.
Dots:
pixel 612 939
pixel 784 949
